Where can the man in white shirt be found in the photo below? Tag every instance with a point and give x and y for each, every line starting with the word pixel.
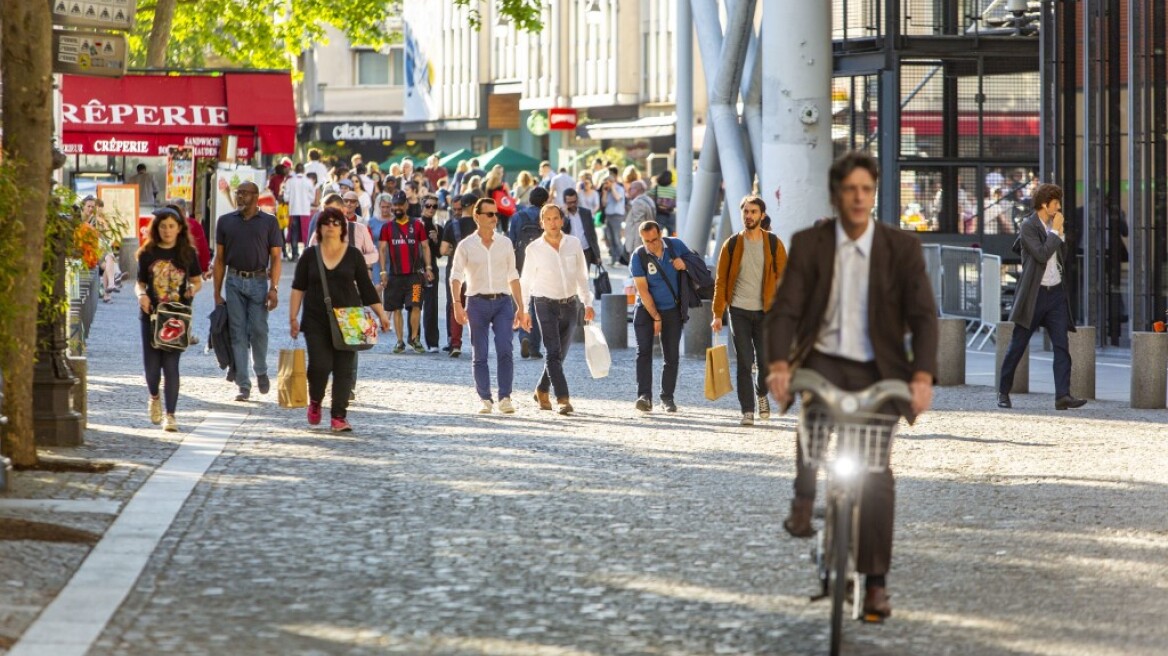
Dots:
pixel 316 166
pixel 555 280
pixel 485 262
pixel 299 192
pixel 561 182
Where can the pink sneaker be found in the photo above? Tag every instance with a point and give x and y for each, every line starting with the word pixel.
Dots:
pixel 314 412
pixel 340 425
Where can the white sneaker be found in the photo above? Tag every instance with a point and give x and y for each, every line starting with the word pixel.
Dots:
pixel 506 407
pixel 432 349
pixel 764 407
pixel 747 419
pixel 487 407
pixel 155 411
pixel 170 424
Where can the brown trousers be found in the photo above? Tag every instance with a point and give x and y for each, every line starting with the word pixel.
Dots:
pixel 878 502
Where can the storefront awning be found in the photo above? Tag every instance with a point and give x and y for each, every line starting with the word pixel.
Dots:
pixel 143 115
pixel 642 128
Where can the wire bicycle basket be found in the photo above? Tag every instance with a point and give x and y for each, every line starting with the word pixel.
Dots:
pixel 863 438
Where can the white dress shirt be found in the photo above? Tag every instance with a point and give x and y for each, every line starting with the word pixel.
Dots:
pixel 319 169
pixel 485 270
pixel 577 227
pixel 1053 274
pixel 845 325
pixel 299 193
pixel 556 274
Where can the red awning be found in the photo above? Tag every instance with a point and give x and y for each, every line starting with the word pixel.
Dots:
pixel 144 114
pixel 932 124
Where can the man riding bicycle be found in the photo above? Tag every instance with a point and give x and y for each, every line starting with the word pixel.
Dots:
pixel 852 289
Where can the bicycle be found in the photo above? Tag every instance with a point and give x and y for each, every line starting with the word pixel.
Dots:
pixel 844 434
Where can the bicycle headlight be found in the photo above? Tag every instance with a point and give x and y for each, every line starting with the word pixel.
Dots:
pixel 845 466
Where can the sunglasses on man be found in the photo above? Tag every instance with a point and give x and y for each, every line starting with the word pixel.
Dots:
pixel 488 214
pixel 431 206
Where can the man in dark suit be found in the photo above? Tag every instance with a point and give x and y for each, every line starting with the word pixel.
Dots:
pixel 1041 298
pixel 579 220
pixel 851 289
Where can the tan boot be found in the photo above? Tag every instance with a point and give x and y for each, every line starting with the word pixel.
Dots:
pixel 565 405
pixel 544 401
pixel 798 523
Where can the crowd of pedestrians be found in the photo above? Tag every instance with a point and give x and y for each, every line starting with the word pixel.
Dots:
pixel 518 260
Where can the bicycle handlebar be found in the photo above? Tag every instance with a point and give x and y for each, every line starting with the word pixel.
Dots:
pixel 841 402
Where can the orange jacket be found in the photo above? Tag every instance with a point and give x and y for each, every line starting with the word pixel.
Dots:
pixel 729 264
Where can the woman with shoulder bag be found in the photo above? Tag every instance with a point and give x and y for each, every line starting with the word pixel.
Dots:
pixel 348 286
pixel 168 272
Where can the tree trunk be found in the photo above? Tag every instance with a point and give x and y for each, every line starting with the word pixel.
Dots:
pixel 160 33
pixel 26 64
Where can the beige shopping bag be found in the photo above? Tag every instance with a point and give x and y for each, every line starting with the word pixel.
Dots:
pixel 717 371
pixel 292 379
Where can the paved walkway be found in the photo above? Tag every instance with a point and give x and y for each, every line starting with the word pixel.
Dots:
pixel 431 530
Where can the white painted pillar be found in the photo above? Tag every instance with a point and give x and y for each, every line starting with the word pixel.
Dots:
pixel 796 121
pixel 685 111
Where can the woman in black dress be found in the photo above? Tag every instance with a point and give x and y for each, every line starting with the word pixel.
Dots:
pixel 168 271
pixel 349 286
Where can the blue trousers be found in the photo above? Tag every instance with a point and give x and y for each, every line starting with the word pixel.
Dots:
pixel 485 316
pixel 1050 312
pixel 247 312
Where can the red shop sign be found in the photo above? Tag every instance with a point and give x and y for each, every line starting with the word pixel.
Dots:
pixel 563 118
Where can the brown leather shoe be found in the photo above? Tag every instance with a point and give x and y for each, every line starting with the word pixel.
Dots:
pixel 798 523
pixel 565 406
pixel 876 605
pixel 544 401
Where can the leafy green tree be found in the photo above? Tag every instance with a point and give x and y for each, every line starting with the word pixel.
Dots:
pixel 272 33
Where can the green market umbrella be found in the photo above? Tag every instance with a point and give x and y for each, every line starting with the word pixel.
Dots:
pixel 450 162
pixel 512 161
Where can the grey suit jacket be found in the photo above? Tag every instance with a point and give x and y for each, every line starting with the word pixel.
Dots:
pixel 1037 247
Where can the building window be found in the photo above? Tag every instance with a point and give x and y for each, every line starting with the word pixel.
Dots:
pixel 380 69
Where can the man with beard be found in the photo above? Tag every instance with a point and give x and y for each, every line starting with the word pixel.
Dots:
pixel 406 265
pixel 749 268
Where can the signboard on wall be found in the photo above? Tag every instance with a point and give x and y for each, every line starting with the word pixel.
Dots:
pixel 89 53
pixel 121 202
pixel 180 173
pixel 563 118
pixel 503 111
pixel 102 14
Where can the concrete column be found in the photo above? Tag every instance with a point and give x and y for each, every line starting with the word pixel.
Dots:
pixel 683 37
pixel 614 321
pixel 796 113
pixel 1149 372
pixel 1022 373
pixel 698 334
pixel 80 367
pixel 1082 347
pixel 951 353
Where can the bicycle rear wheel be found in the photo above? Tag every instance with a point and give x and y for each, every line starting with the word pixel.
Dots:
pixel 840 541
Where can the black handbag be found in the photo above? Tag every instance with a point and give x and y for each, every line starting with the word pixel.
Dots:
pixel 170 327
pixel 601 284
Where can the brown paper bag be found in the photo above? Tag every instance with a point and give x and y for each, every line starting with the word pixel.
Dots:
pixel 717 372
pixel 292 379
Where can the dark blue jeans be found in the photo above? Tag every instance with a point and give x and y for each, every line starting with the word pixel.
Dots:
pixel 1050 312
pixel 247 314
pixel 160 365
pixel 556 320
pixel 484 316
pixel 747 328
pixel 670 347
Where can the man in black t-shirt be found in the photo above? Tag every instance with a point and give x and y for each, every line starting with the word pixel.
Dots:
pixel 248 245
pixel 456 229
pixel 429 204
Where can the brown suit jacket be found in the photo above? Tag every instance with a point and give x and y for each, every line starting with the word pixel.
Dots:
pixel 900 301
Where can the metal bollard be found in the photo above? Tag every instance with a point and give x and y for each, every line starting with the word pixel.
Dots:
pixel 699 336
pixel 1149 371
pixel 1022 373
pixel 951 352
pixel 614 322
pixel 1082 348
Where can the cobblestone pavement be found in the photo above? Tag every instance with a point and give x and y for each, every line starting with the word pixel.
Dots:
pixel 431 530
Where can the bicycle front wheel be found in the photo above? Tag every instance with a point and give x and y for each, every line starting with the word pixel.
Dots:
pixel 840 540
